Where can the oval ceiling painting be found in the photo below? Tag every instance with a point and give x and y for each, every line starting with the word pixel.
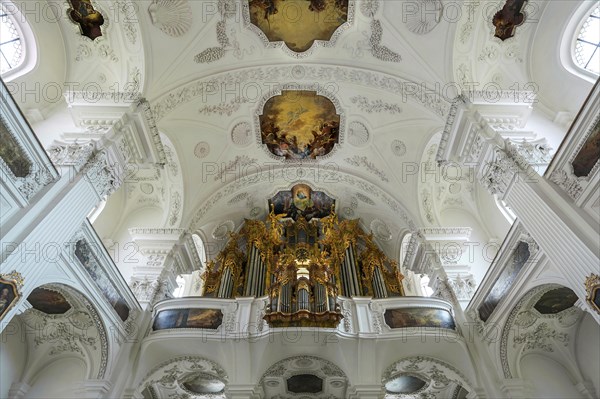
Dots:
pixel 405 384
pixel 298 23
pixel 203 383
pixel 299 124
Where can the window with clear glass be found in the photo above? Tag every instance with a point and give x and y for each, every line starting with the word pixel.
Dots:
pixel 587 44
pixel 11 43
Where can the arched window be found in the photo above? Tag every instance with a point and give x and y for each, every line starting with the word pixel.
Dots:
pixel 11 46
pixel 200 248
pixel 586 52
pixel 18 54
pixel 178 293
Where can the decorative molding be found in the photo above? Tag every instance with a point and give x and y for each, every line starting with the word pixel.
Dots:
pixel 16 278
pixel 358 134
pixel 381 230
pixel 498 174
pixel 287 367
pixel 221 231
pixel 423 17
pixel 239 197
pixel 365 198
pixel 530 297
pixel 168 375
pixel 175 208
pixel 360 161
pixel 241 134
pixel 439 374
pixel 103 175
pixel 71 331
pixel 224 108
pixel 398 148
pixel 234 167
pixel 172 17
pixel 369 8
pixel 541 338
pixel 202 149
pixel 378 50
pixel 282 73
pixel 375 106
pixel 76 155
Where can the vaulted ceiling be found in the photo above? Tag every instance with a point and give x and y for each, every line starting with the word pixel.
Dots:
pixel 390 70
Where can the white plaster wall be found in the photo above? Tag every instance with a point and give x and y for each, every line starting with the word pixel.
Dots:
pixel 13 354
pixel 476 253
pixel 587 350
pixel 58 380
pixel 548 378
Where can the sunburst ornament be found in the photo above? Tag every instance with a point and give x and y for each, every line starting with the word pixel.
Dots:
pixel 422 16
pixel 173 17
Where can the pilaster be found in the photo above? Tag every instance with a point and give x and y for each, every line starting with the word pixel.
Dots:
pixel 93 389
pixel 18 390
pixel 517 389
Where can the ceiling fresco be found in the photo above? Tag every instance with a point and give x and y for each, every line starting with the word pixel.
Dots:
pixel 48 301
pixel 301 200
pixel 299 124
pixel 298 23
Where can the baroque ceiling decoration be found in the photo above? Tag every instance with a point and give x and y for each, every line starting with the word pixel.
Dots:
pixel 304 376
pixel 358 134
pixel 312 73
pixel 508 19
pixel 424 378
pixel 282 174
pixel 546 319
pixel 299 24
pixel 83 13
pixel 63 321
pixel 172 17
pixel 191 377
pixel 421 17
pixel 300 124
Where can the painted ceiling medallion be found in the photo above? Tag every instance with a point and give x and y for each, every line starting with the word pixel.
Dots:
pixel 173 17
pixel 299 124
pixel 421 17
pixel 298 23
pixel 82 12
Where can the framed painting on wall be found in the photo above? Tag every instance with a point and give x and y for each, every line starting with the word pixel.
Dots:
pixel 592 287
pixel 9 292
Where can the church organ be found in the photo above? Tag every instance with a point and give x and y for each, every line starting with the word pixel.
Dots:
pixel 302 265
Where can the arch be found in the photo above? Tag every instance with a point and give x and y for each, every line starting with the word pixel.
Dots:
pixel 176 372
pixel 200 246
pixel 23 35
pixel 440 378
pixel 535 332
pixel 324 377
pixel 79 332
pixel 569 42
pixel 549 378
pixel 276 177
